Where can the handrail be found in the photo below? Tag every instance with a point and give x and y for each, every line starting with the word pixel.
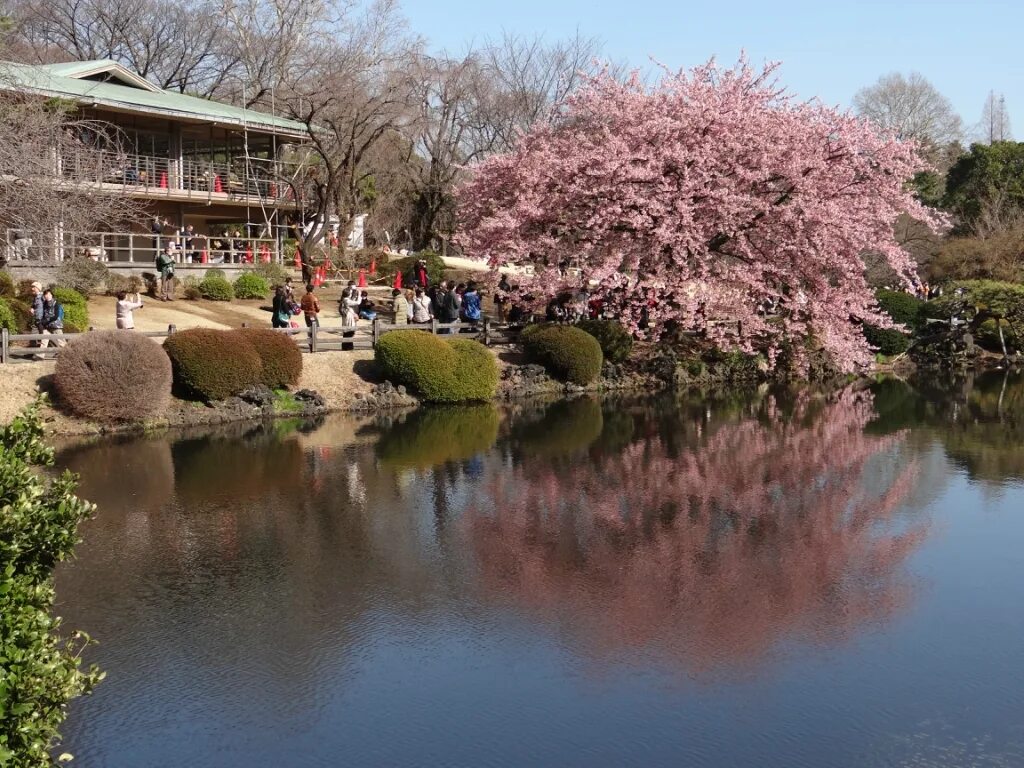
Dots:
pixel 310 340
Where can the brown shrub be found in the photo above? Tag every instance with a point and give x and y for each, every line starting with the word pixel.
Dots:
pixel 280 357
pixel 113 376
pixel 1000 257
pixel 212 365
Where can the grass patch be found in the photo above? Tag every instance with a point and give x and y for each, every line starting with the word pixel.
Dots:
pixel 285 402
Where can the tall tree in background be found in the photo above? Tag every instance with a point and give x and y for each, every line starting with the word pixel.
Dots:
pixel 995 120
pixel 700 199
pixel 911 108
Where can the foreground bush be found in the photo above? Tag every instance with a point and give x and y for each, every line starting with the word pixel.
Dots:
pixel 76 309
pixel 21 314
pixel 616 342
pixel 439 371
pixel 280 358
pixel 40 670
pixel 250 286
pixel 82 275
pixel 113 376
pixel 566 352
pixel 8 319
pixel 215 288
pixel 211 365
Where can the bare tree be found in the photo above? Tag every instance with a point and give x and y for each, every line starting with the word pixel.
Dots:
pixel 523 78
pixel 995 120
pixel 177 44
pixel 39 203
pixel 911 108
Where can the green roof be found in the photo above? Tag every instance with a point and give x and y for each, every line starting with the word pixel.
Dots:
pixel 133 93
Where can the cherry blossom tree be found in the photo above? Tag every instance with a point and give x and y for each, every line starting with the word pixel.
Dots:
pixel 709 196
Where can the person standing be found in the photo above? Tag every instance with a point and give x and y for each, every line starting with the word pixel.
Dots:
pixel 123 311
pixel 37 303
pixel 156 226
pixel 421 307
pixel 471 304
pixel 400 306
pixel 52 322
pixel 165 268
pixel 310 305
pixel 420 275
pixel 189 242
pixel 281 309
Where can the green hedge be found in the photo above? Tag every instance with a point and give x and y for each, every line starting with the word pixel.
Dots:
pixel 439 371
pixel 616 342
pixel 8 319
pixel 566 352
pixel 216 288
pixel 903 308
pixel 7 289
pixel 251 286
pixel 210 364
pixel 888 341
pixel 76 309
pixel 280 358
pixel 40 667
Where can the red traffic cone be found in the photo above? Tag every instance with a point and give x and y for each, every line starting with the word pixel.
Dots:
pixel 398 280
pixel 217 186
pixel 204 257
pixel 362 279
pixel 163 180
pixel 373 266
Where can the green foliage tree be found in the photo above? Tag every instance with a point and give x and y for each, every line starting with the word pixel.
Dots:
pixel 616 342
pixel 988 177
pixel 41 670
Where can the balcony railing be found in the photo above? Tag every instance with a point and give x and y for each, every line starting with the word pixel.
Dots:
pixel 259 179
pixel 139 248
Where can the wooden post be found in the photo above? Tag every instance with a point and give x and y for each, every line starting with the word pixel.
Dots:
pixel 245 325
pixel 5 343
pixel 171 329
pixel 312 337
pixel 375 328
pixel 485 331
pixel 433 325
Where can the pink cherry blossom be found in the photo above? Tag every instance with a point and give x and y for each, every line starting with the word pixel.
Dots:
pixel 702 198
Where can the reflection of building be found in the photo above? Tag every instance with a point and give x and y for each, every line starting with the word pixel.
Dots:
pixel 217 167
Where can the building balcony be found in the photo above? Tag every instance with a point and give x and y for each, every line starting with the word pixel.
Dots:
pixel 258 181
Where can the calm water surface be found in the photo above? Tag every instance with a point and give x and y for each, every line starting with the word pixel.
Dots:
pixel 770 580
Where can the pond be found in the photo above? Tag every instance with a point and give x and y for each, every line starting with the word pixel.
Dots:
pixel 771 579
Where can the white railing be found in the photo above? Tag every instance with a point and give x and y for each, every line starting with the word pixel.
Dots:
pixel 139 248
pixel 267 180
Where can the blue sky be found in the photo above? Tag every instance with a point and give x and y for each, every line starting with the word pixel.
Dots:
pixel 827 49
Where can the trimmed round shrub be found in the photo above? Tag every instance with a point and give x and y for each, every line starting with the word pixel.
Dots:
pixel 616 342
pixel 190 288
pixel 113 376
pixel 7 290
pixel 566 352
pixel 439 371
pixel 476 371
pixel 888 341
pixel 83 275
pixel 216 288
pixel 76 309
pixel 251 286
pixel 22 315
pixel 280 358
pixel 215 272
pixel 211 365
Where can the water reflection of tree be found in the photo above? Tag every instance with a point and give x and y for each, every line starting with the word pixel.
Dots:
pixel 741 534
pixel 978 418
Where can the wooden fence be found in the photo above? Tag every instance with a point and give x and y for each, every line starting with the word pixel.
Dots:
pixel 320 338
